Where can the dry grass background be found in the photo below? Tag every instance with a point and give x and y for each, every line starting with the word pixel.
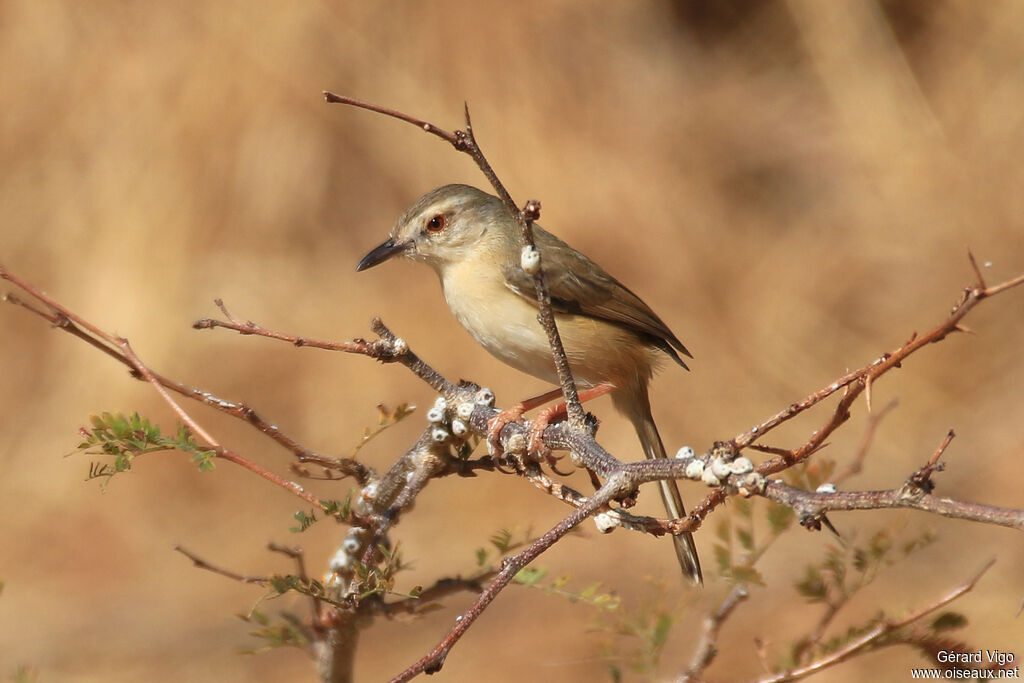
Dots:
pixel 792 185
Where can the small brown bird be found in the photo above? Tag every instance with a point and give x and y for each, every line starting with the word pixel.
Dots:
pixel 611 337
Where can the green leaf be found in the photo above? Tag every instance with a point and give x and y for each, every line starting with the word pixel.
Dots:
pixel 502 540
pixel 780 517
pixel 204 460
pixel 746 539
pixel 529 576
pixel 812 586
pixel 949 621
pixel 305 521
pixel 723 557
pixel 746 574
pixel 661 630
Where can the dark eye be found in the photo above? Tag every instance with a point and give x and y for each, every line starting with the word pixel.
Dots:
pixel 437 223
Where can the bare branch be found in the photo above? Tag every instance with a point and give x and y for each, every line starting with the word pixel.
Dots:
pixel 872 637
pixel 874 419
pixel 811 505
pixel 707 647
pixel 235 576
pixel 118 348
pixel 432 662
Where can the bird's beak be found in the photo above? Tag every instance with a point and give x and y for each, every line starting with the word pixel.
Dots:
pixel 383 253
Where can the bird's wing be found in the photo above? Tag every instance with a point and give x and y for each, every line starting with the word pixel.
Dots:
pixel 578 285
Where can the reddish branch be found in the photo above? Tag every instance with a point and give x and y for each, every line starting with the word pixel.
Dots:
pixel 118 348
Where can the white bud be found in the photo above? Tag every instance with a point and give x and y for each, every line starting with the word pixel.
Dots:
pixel 441 403
pixel 485 396
pixel 435 415
pixel 339 562
pixel 399 346
pixel 605 522
pixel 752 483
pixel 709 477
pixel 458 427
pixel 685 452
pixel 720 468
pixel 530 260
pixel 827 487
pixel 350 545
pixel 695 469
pixel 465 410
pixel 369 491
pixel 741 465
pixel 439 435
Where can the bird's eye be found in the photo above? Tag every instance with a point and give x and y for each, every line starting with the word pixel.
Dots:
pixel 436 224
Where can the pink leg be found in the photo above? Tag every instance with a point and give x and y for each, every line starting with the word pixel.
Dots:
pixel 514 414
pixel 544 418
pixel 559 410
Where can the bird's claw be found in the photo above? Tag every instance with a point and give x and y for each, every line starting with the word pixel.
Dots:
pixel 494 427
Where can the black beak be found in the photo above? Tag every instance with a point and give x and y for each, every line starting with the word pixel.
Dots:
pixel 382 254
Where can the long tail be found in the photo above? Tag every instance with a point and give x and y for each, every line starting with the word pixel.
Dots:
pixel 637 407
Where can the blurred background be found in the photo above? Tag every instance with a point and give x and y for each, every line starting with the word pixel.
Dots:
pixel 793 186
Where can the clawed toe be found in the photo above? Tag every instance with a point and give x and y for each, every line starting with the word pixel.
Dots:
pixel 494 427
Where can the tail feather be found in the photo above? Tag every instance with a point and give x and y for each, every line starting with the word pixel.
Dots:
pixel 638 408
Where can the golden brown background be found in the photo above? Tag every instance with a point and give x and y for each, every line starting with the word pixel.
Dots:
pixel 792 185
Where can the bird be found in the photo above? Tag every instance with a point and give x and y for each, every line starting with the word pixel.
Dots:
pixel 612 339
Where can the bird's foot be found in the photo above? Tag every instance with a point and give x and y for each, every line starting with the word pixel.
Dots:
pixel 496 424
pixel 535 445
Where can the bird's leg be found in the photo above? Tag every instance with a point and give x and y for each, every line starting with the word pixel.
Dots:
pixel 559 410
pixel 535 444
pixel 513 414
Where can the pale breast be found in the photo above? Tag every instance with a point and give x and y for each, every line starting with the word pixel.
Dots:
pixel 506 325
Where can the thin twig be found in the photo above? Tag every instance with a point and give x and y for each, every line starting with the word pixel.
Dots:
pixel 235 576
pixel 811 505
pixel 428 598
pixel 873 636
pixel 433 661
pixel 118 348
pixel 922 478
pixel 707 647
pixel 298 555
pixel 874 420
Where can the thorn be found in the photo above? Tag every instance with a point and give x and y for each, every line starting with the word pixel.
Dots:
pixel 825 520
pixel 963 328
pixel 977 271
